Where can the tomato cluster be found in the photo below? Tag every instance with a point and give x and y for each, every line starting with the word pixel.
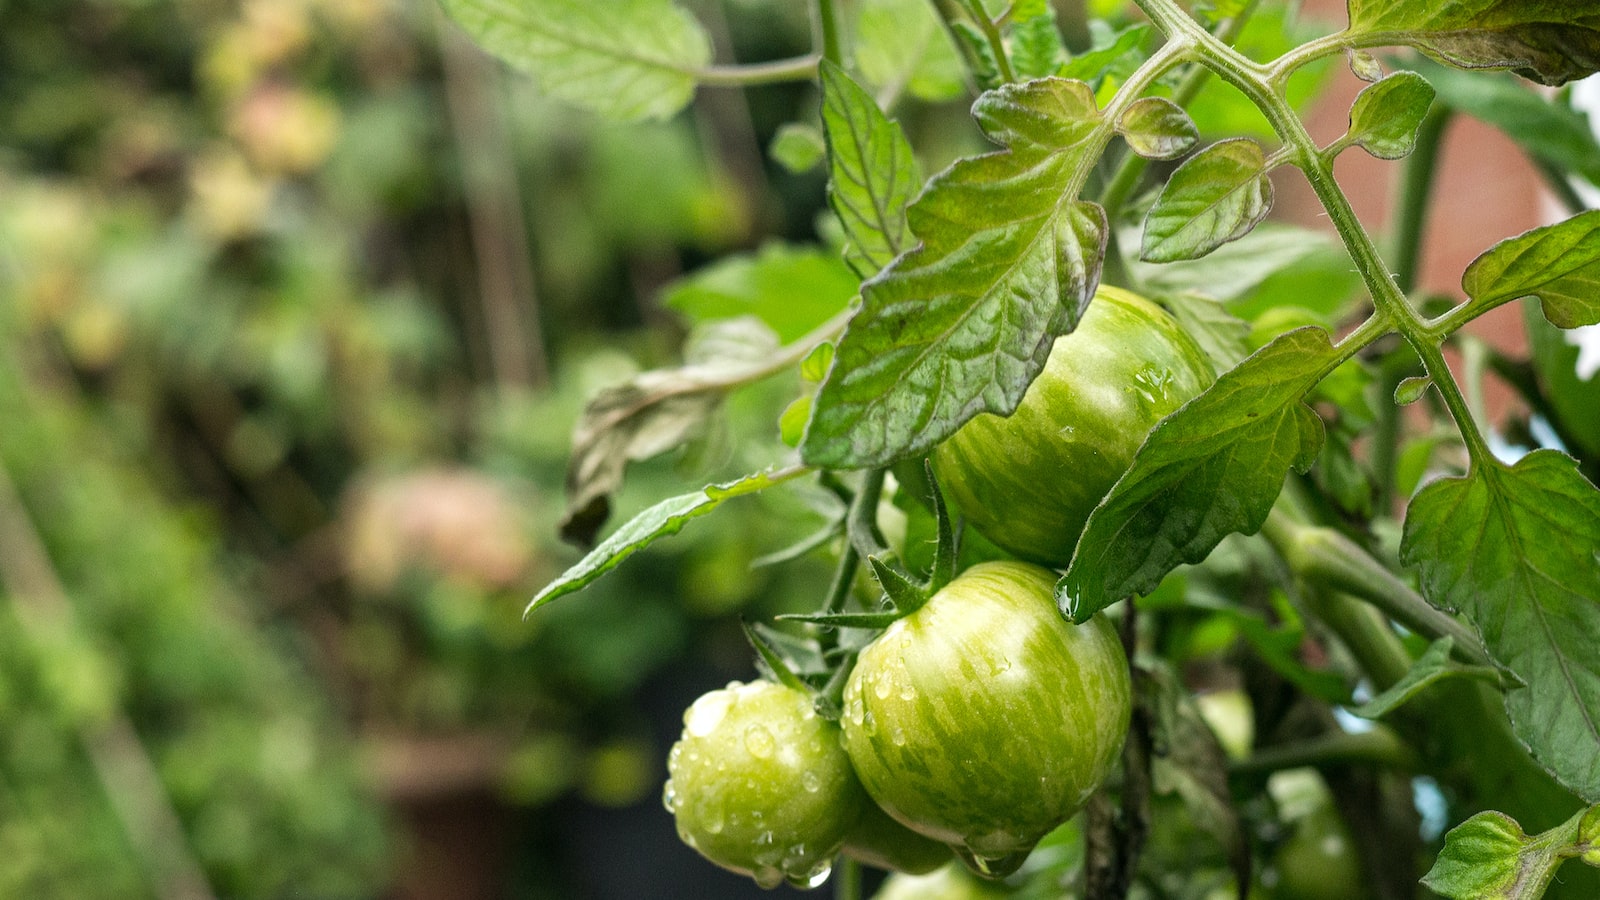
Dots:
pixel 981 719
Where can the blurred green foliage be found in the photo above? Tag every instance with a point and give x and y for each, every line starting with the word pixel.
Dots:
pixel 289 487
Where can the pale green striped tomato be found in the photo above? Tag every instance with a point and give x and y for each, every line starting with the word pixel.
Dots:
pixel 984 719
pixel 760 784
pixel 1028 481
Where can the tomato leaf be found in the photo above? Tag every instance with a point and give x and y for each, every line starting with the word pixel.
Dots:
pixel 1549 41
pixel 1514 549
pixel 1559 264
pixel 1216 196
pixel 1386 115
pixel 667 517
pixel 654 412
pixel 1157 128
pixel 1212 468
pixel 1036 48
pixel 962 324
pixel 792 289
pixel 873 175
pixel 1490 857
pixel 1433 665
pixel 797 147
pixel 624 59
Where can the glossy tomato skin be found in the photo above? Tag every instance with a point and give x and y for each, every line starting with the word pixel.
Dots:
pixel 1028 481
pixel 984 719
pixel 761 785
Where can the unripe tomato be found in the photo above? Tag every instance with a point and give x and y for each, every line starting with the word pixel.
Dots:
pixel 1028 481
pixel 1319 861
pixel 760 784
pixel 984 719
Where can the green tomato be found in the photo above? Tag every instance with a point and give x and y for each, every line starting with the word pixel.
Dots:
pixel 1028 481
pixel 760 784
pixel 1318 861
pixel 984 719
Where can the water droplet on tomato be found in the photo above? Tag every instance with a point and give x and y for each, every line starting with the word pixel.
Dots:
pixel 810 781
pixel 669 797
pixel 881 687
pixel 758 740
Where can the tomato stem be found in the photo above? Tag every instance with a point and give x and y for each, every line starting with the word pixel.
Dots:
pixel 847 879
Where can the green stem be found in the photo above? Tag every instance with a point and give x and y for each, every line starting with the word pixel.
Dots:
pixel 1379 747
pixel 1253 80
pixel 1132 166
pixel 1324 556
pixel 1555 178
pixel 991 33
pixel 828 28
pixel 1416 187
pixel 847 880
pixel 800 68
pixel 861 534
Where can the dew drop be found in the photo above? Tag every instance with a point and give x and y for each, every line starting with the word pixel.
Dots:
pixel 669 797
pixel 898 737
pixel 758 740
pixel 814 878
pixel 714 825
pixel 767 877
pixel 999 665
pixel 881 687
pixel 810 781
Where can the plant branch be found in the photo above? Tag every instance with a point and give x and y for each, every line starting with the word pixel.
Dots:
pixel 1125 179
pixel 799 68
pixel 847 880
pixel 1391 304
pixel 1324 556
pixel 991 33
pixel 828 31
pixel 1379 747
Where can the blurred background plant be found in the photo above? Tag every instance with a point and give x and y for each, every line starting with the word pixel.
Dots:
pixel 299 301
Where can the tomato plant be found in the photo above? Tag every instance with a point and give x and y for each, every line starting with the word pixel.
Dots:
pixel 1280 529
pixel 1028 481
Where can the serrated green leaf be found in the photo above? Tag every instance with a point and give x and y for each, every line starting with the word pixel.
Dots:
pixel 1559 264
pixel 1212 468
pixel 1157 128
pixel 776 667
pixel 1544 127
pixel 1514 549
pixel 1386 115
pixel 792 289
pixel 963 323
pixel 872 173
pixel 1549 41
pixel 814 367
pixel 1488 857
pixel 1433 665
pixel 1112 52
pixel 1036 48
pixel 667 517
pixel 797 147
pixel 625 59
pixel 1216 196
pixel 900 44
